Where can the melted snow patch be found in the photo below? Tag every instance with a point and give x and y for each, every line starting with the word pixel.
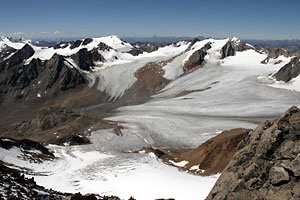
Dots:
pixel 179 164
pixel 195 167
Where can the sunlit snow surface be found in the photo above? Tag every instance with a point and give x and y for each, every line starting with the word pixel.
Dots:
pixel 96 169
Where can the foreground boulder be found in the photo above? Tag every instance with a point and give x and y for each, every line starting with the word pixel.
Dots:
pixel 267 165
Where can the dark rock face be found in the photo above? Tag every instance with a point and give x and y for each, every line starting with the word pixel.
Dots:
pixel 78 196
pixel 20 82
pixel 140 47
pixel 8 143
pixel 87 41
pixel 267 165
pixel 197 58
pixel 231 47
pixel 135 51
pixel 227 50
pixel 85 59
pixel 21 76
pixel 5 52
pixel 289 71
pixel 75 44
pixel 61 45
pixel 192 43
pixel 102 46
pixel 275 53
pixel 62 75
pixel 72 140
pixel 18 58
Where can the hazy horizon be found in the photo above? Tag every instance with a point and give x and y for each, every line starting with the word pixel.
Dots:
pixel 267 20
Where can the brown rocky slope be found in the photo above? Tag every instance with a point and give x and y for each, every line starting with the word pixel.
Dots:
pixel 267 165
pixel 212 156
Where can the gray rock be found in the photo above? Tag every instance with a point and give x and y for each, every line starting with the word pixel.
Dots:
pixel 197 58
pixel 275 53
pixel 293 166
pixel 86 59
pixel 289 71
pixel 267 163
pixel 232 46
pixel 278 175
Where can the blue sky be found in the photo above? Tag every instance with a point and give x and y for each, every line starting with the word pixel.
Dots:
pixel 264 19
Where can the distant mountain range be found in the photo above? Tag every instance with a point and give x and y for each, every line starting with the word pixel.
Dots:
pixel 157 39
pixel 168 39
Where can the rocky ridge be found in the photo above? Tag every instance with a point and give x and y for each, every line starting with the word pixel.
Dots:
pixel 266 165
pixel 275 53
pixel 197 58
pixel 233 45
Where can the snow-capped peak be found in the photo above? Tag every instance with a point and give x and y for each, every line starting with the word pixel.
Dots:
pixel 8 42
pixel 114 42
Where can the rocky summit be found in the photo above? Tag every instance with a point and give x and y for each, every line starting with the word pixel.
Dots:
pixel 267 165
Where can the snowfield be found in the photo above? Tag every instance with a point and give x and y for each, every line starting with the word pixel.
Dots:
pixel 84 169
pixel 223 94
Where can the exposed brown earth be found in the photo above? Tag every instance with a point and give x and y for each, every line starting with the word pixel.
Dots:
pixel 150 81
pixel 57 125
pixel 212 156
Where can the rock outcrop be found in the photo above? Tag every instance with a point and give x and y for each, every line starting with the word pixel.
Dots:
pixel 18 58
pixel 232 46
pixel 13 185
pixel 267 165
pixel 197 58
pixel 275 53
pixel 20 81
pixel 86 59
pixel 5 52
pixel 25 144
pixel 61 75
pixel 289 71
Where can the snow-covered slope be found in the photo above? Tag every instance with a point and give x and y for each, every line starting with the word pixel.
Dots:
pixel 119 77
pixel 45 53
pixel 16 45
